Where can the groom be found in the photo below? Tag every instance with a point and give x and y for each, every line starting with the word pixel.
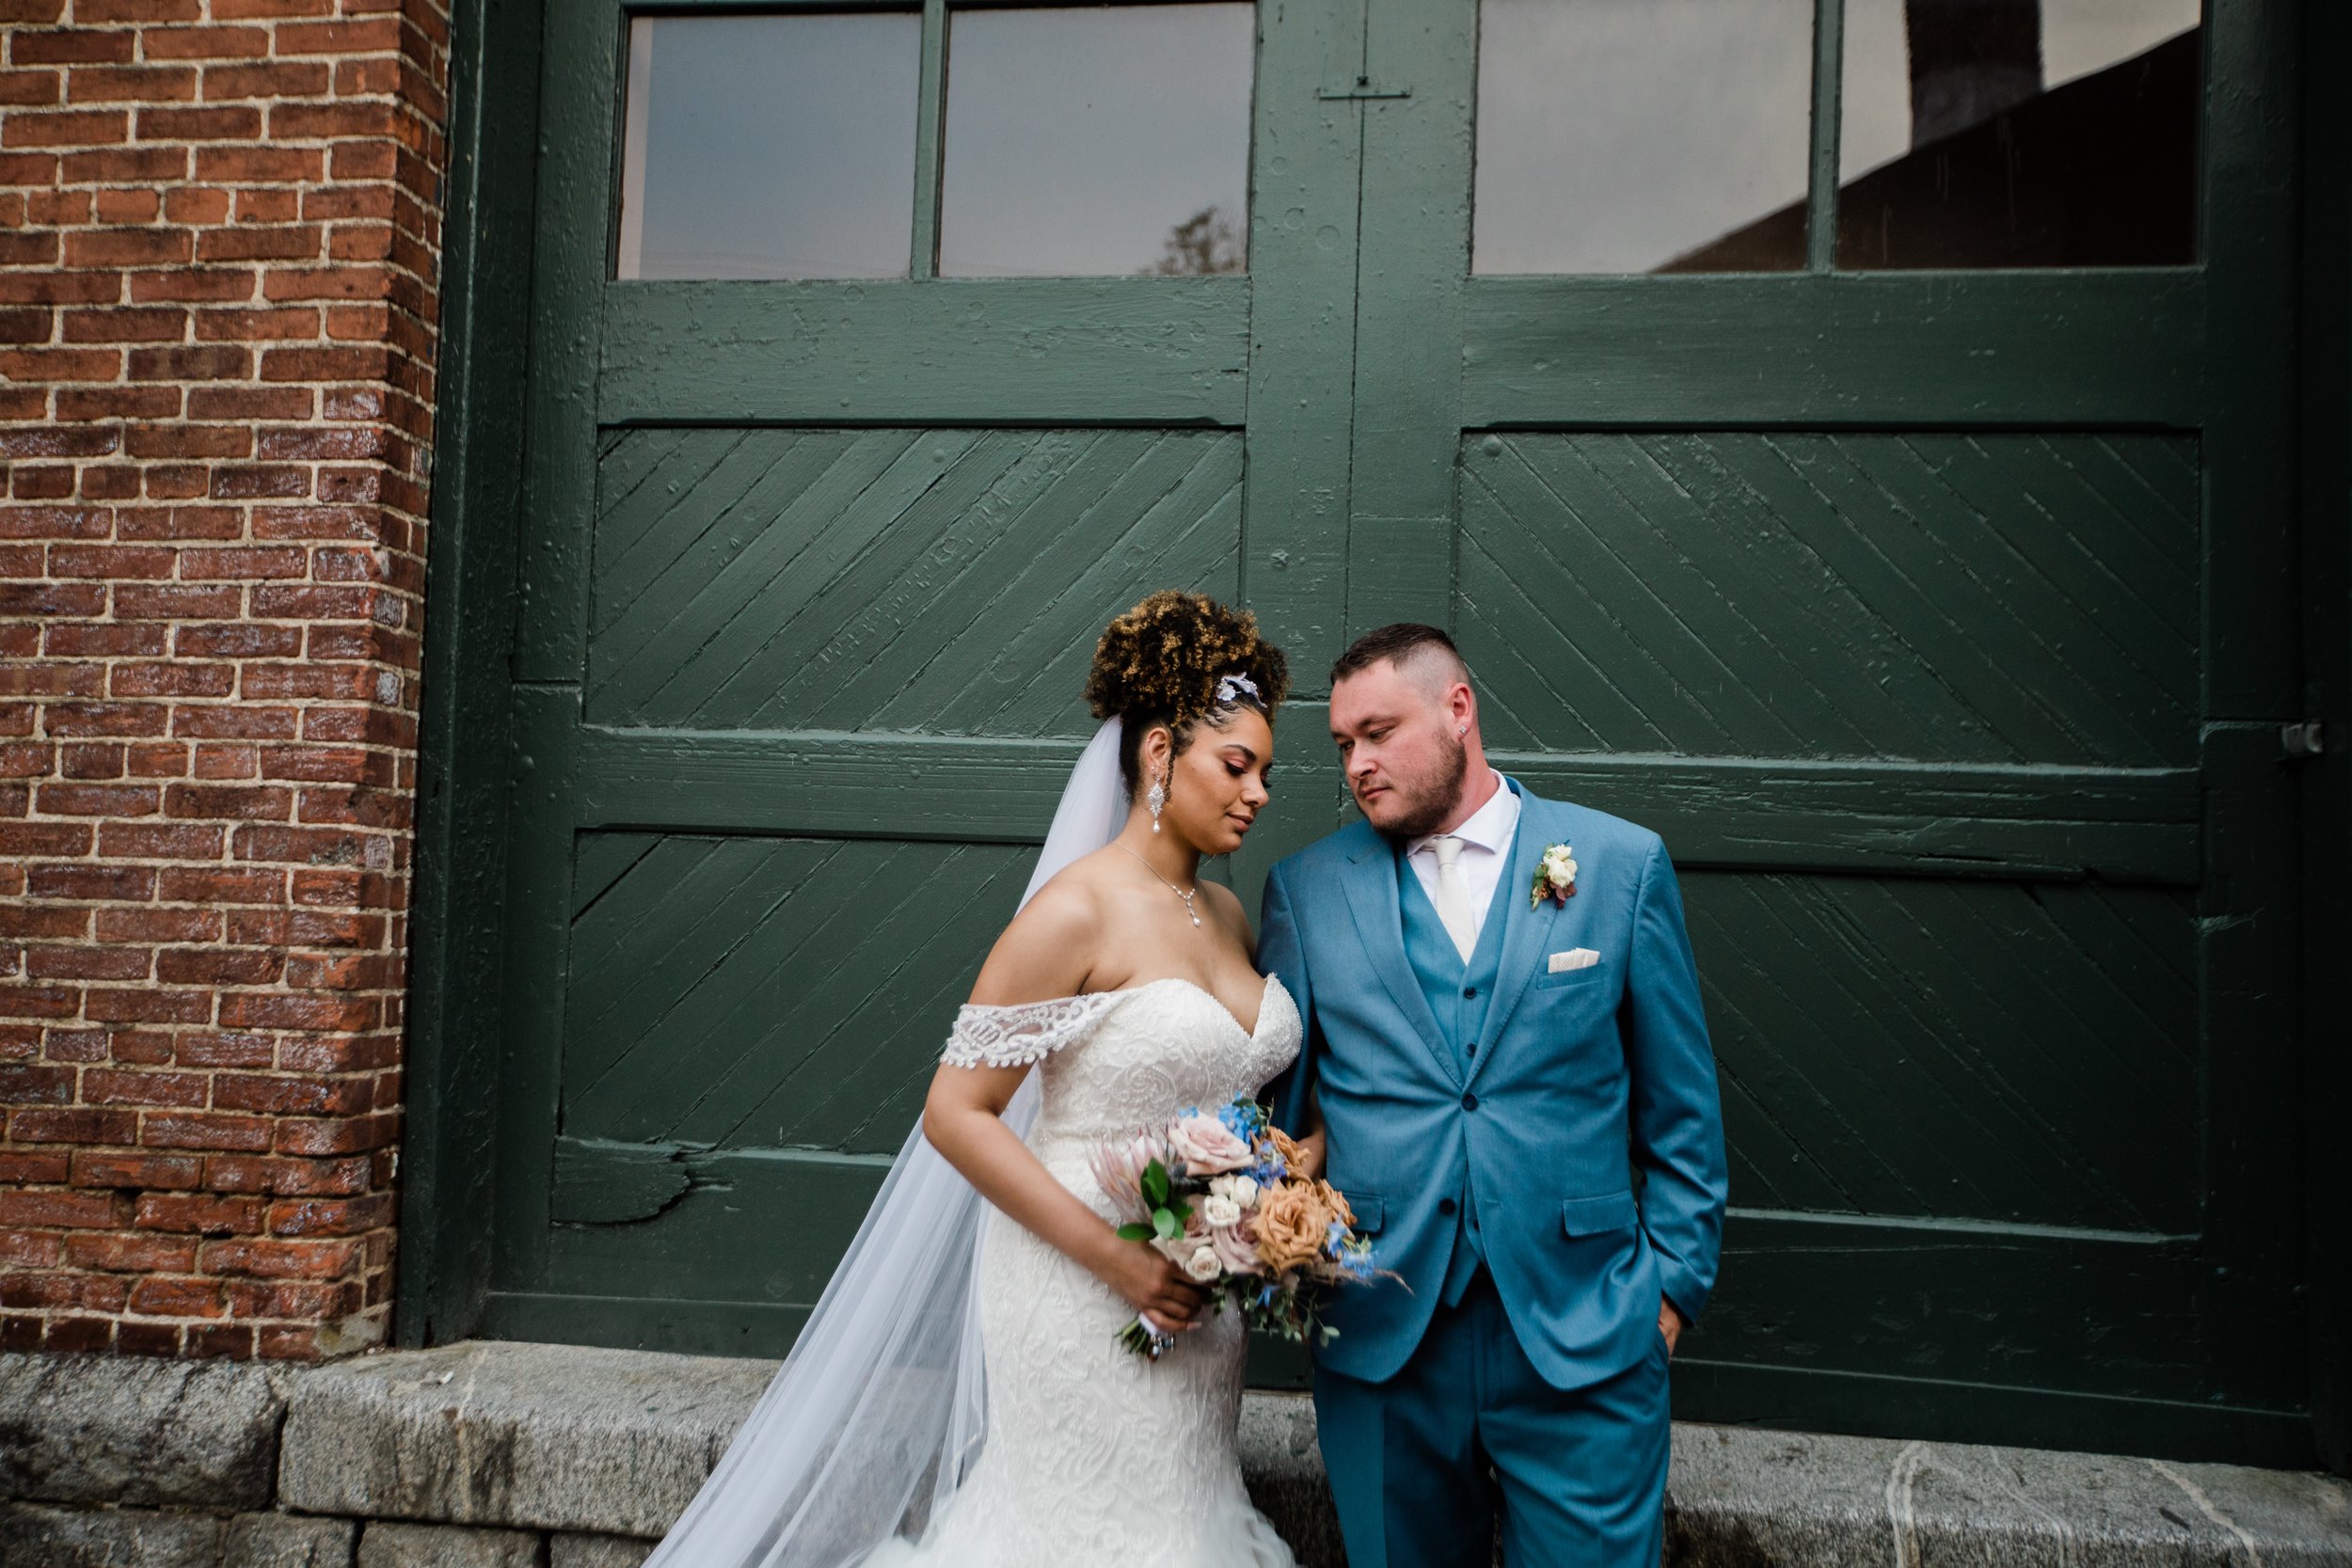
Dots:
pixel 1519 1101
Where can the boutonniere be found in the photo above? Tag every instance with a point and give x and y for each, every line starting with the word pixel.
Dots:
pixel 1555 877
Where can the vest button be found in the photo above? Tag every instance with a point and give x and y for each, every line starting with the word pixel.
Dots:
pixel 1469 1102
pixel 1470 990
pixel 1473 1048
pixel 1446 1205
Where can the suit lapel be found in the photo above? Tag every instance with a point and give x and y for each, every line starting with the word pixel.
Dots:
pixel 1372 899
pixel 1525 931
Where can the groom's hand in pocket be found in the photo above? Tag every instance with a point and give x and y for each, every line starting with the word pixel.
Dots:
pixel 1669 1324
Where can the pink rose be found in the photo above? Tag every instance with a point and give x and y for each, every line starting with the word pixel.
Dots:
pixel 1236 1249
pixel 1206 1145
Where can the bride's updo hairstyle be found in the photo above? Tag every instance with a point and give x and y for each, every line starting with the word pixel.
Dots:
pixel 1165 662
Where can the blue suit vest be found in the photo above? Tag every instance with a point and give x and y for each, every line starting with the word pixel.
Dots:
pixel 1459 994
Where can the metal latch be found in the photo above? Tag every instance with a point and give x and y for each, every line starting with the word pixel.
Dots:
pixel 2305 739
pixel 1363 88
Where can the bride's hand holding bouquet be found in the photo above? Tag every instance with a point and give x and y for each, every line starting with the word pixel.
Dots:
pixel 1228 1199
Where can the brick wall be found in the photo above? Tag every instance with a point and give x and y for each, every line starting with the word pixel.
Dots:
pixel 218 227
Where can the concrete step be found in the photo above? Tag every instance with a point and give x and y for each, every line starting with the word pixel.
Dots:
pixel 440 1456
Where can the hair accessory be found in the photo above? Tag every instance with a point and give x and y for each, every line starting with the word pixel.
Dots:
pixel 1228 688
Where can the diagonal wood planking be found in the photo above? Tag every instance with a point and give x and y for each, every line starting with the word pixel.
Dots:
pixel 1959 597
pixel 941 581
pixel 1986 1050
pixel 718 995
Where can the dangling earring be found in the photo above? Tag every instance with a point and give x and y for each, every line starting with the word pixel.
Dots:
pixel 1155 800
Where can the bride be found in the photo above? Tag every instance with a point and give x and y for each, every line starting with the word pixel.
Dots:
pixel 958 1399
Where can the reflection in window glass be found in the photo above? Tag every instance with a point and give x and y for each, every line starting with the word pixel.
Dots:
pixel 1082 142
pixel 2019 133
pixel 1642 135
pixel 770 146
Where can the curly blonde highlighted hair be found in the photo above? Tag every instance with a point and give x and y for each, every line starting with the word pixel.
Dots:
pixel 1162 662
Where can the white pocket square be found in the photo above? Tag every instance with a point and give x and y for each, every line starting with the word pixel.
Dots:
pixel 1575 957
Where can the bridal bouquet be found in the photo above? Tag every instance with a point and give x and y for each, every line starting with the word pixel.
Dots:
pixel 1216 1190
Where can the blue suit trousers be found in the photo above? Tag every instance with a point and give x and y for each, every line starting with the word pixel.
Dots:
pixel 1421 1464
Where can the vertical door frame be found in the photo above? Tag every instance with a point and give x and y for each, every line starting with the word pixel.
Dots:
pixel 456 927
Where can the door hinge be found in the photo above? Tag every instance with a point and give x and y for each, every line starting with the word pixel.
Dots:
pixel 1363 88
pixel 2305 739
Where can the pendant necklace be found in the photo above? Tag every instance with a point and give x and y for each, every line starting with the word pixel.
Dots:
pixel 1171 886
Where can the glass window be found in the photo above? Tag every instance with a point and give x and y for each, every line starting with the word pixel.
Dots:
pixel 1642 135
pixel 770 146
pixel 1096 140
pixel 2019 133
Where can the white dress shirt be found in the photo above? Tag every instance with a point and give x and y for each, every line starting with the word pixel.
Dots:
pixel 1485 846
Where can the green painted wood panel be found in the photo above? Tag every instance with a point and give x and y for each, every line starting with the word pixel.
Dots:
pixel 934 581
pixel 2023 1053
pixel 771 992
pixel 1994 598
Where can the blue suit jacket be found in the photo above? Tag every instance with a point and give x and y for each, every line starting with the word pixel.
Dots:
pixel 1581 1078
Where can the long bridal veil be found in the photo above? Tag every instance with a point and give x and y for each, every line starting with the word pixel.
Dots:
pixel 874 1418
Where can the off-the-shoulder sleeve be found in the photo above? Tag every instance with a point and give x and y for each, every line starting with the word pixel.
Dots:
pixel 1024 1032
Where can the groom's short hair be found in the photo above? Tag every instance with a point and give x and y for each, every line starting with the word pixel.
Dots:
pixel 1403 644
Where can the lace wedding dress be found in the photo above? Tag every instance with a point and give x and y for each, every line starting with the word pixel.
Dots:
pixel 1096 1457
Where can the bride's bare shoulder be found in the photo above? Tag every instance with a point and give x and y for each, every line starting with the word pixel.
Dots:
pixel 1048 949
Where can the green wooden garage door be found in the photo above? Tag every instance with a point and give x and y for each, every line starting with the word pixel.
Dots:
pixel 1896 518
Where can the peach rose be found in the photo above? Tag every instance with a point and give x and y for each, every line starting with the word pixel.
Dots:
pixel 1292 1223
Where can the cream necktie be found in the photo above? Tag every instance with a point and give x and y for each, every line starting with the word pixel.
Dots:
pixel 1454 896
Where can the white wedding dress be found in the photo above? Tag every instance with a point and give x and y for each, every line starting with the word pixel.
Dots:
pixel 1096 1457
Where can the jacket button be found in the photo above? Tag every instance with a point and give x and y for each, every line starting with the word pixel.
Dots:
pixel 1446 1205
pixel 1469 1102
pixel 1470 990
pixel 1473 1048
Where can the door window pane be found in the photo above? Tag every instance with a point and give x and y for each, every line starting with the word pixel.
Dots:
pixel 2019 133
pixel 1642 135
pixel 770 146
pixel 1096 140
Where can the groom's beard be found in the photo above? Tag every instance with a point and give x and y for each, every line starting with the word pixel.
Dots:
pixel 1429 801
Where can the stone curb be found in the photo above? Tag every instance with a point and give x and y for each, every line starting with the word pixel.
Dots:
pixel 507 1453
pixel 130 1430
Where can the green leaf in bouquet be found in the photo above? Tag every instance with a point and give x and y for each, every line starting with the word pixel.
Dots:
pixel 1135 1232
pixel 1168 1225
pixel 1154 1183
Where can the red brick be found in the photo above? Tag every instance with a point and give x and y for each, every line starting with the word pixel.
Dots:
pixel 280 1260
pixel 209 1213
pixel 220 966
pixel 63 1209
pixel 129 248
pixel 231 1342
pixel 119 84
pixel 226 124
pixel 172 1130
pixel 158 925
pixel 206 44
pixel 143 1004
pixel 30 1084
pixel 72 46
pixel 87 963
pixel 75 1336
pixel 85 799
pixel 65 128
pixel 96 1168
pixel 75 1125
pixel 154 840
pixel 178 1298
pixel 96 1293
pixel 31 1249
pixel 122 883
